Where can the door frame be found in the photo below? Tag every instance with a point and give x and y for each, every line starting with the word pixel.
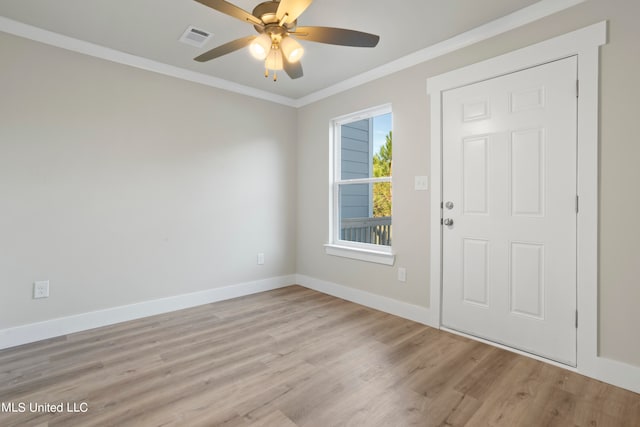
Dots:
pixel 584 44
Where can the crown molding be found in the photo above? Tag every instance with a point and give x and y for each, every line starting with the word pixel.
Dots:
pixel 509 22
pixel 80 46
pixel 496 27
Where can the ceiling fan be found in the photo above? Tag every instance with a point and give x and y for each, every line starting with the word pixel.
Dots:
pixel 276 21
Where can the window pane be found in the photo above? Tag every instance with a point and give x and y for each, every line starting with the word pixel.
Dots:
pixel 355 150
pixel 365 213
pixel 382 200
pixel 366 148
pixel 382 145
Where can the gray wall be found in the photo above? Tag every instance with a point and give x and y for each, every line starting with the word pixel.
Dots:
pixel 406 91
pixel 119 185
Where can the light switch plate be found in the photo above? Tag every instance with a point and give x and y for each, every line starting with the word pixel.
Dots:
pixel 402 274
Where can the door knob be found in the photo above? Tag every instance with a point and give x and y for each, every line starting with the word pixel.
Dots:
pixel 449 205
pixel 448 221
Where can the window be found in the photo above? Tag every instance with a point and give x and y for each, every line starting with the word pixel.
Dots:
pixel 361 190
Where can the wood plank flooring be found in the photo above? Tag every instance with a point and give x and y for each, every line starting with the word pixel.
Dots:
pixel 293 357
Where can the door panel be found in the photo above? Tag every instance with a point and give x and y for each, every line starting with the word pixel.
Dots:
pixel 474 170
pixel 509 171
pixel 527 279
pixel 527 173
pixel 475 283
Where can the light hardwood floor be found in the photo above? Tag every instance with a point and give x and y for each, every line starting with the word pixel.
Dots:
pixel 295 357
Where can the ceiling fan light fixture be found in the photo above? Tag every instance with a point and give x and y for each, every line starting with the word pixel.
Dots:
pixel 261 46
pixel 274 60
pixel 291 49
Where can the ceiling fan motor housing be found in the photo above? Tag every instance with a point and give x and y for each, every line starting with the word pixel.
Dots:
pixel 266 12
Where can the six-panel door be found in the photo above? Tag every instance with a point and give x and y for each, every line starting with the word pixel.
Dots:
pixel 509 178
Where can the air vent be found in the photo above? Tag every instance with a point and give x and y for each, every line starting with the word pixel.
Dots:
pixel 195 37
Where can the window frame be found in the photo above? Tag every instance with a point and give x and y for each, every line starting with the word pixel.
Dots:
pixel 381 254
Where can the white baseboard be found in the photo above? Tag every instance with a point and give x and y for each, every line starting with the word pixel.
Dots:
pixel 614 372
pixel 388 305
pixel 32 332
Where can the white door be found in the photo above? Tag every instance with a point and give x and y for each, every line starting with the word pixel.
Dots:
pixel 509 191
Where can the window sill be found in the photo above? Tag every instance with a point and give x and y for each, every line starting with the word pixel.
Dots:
pixel 378 257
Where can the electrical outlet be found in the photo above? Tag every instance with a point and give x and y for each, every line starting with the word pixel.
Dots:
pixel 41 289
pixel 421 183
pixel 402 274
pixel 260 258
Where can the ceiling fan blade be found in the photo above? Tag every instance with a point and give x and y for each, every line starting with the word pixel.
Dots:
pixel 293 69
pixel 225 48
pixel 338 36
pixel 293 8
pixel 231 10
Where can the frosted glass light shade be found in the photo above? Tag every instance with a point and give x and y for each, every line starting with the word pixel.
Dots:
pixel 261 46
pixel 274 60
pixel 291 49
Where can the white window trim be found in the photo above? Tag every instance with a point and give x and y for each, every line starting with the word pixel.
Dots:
pixel 362 254
pixel 583 43
pixel 354 250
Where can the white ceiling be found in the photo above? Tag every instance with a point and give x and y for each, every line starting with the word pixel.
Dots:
pixel 151 28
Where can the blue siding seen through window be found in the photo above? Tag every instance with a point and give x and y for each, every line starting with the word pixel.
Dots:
pixel 355 163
